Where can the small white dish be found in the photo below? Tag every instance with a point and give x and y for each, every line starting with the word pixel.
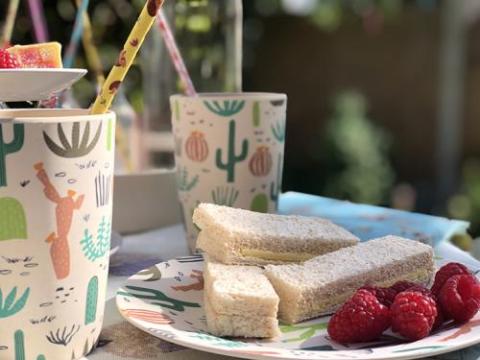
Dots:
pixel 36 84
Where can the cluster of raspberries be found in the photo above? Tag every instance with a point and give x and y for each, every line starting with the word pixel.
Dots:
pixel 411 310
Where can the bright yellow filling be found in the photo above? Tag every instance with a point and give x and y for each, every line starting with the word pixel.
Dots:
pixel 276 256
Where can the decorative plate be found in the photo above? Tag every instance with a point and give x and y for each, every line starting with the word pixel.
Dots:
pixel 35 84
pixel 166 301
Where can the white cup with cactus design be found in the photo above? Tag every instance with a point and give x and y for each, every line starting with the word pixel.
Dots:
pixel 228 150
pixel 56 175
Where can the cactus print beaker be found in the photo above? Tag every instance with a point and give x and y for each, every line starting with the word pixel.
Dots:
pixel 228 151
pixel 56 175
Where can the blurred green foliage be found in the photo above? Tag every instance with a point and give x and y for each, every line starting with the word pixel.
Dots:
pixel 355 153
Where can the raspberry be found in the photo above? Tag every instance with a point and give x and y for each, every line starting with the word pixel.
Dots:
pixel 362 318
pixel 445 273
pixel 384 295
pixel 8 61
pixel 440 319
pixel 460 297
pixel 413 314
pixel 400 286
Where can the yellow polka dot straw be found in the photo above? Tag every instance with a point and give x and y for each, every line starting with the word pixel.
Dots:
pixel 127 55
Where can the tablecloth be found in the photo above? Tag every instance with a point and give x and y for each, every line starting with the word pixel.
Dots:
pixel 122 341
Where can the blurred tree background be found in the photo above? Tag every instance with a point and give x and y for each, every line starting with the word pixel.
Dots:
pixel 364 80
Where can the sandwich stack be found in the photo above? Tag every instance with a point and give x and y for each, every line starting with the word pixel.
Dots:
pixel 262 267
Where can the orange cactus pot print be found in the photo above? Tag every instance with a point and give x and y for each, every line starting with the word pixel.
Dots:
pixel 261 162
pixel 196 147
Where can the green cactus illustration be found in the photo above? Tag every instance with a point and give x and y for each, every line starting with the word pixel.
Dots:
pixel 176 106
pixel 259 203
pixel 307 331
pixel 91 301
pixel 110 131
pixel 10 148
pixel 276 187
pixel 19 346
pixel 224 195
pixel 9 306
pixel 183 182
pixel 256 114
pixel 157 297
pixel 19 339
pixel 228 108
pixel 279 130
pixel 77 147
pixel 94 250
pixel 13 223
pixel 232 159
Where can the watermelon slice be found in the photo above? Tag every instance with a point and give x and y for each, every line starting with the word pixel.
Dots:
pixel 43 55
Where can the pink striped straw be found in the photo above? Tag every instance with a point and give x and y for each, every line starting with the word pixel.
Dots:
pixel 175 54
pixel 38 19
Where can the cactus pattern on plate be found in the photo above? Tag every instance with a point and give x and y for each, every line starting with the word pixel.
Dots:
pixel 60 251
pixel 157 297
pixel 261 161
pixel 10 148
pixel 232 159
pixel 9 306
pixel 91 301
pixel 228 108
pixel 75 148
pixel 259 203
pixel 224 195
pixel 256 115
pixel 183 182
pixel 13 223
pixel 96 250
pixel 196 147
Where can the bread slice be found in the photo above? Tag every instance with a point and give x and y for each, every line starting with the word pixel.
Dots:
pixel 322 284
pixel 239 301
pixel 248 326
pixel 237 236
pixel 239 290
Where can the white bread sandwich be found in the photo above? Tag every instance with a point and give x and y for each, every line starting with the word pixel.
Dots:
pixel 320 285
pixel 239 301
pixel 237 236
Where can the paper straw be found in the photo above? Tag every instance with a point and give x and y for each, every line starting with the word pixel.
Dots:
pixel 9 21
pixel 37 14
pixel 127 55
pixel 175 55
pixel 91 51
pixel 76 35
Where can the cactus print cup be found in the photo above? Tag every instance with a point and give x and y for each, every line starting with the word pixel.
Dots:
pixel 55 213
pixel 228 151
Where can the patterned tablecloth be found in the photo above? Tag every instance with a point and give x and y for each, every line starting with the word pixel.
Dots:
pixel 122 341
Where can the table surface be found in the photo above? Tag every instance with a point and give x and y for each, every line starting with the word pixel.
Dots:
pixel 121 341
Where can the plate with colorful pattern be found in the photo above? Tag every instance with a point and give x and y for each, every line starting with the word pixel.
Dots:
pixel 166 300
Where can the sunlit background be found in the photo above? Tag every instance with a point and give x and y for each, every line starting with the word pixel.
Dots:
pixel 382 94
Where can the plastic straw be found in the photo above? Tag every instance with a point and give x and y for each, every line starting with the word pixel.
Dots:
pixel 10 21
pixel 76 35
pixel 127 55
pixel 37 14
pixel 175 55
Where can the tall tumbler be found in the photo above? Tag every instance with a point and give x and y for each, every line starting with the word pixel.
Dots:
pixel 56 177
pixel 229 151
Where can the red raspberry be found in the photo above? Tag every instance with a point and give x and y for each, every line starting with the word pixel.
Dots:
pixel 460 297
pixel 445 273
pixel 400 286
pixel 413 314
pixel 384 295
pixel 440 319
pixel 8 61
pixel 362 318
